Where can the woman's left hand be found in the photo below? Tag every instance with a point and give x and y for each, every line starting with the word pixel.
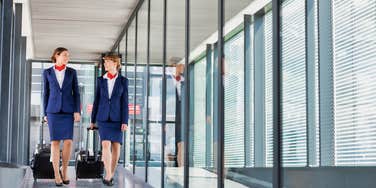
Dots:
pixel 124 127
pixel 77 117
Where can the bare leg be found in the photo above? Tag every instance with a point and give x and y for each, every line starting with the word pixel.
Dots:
pixel 106 158
pixel 115 156
pixel 67 149
pixel 55 156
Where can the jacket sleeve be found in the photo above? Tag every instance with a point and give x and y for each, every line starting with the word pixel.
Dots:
pixel 46 92
pixel 124 101
pixel 76 94
pixel 96 101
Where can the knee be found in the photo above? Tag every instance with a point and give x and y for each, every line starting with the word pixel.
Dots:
pixel 55 143
pixel 116 147
pixel 68 142
pixel 106 145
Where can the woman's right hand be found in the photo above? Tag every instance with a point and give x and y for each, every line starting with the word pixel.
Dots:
pixel 92 125
pixel 45 119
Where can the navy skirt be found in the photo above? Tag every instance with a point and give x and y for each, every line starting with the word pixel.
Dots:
pixel 110 131
pixel 60 126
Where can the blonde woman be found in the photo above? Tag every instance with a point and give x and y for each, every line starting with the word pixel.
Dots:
pixel 110 113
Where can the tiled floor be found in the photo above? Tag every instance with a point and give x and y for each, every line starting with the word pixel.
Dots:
pixel 123 178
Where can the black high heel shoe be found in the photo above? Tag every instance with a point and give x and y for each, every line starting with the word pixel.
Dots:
pixel 108 182
pixel 58 184
pixel 66 182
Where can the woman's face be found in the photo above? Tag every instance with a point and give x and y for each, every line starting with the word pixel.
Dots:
pixel 63 58
pixel 109 65
pixel 180 68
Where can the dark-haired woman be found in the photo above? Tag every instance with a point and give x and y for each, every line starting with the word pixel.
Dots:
pixel 61 100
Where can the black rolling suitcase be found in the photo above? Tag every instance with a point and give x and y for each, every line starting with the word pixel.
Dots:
pixel 89 166
pixel 40 163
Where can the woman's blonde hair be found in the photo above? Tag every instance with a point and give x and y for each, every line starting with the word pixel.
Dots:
pixel 114 58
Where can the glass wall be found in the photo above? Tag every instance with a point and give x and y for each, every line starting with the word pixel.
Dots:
pixel 315 133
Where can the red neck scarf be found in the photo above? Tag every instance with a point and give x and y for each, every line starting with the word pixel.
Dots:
pixel 110 76
pixel 60 68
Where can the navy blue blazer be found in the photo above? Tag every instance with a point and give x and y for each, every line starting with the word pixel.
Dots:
pixel 114 108
pixel 56 99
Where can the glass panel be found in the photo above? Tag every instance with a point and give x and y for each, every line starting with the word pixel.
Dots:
pixel 131 91
pixel 354 37
pixel 141 97
pixel 294 127
pixel 174 129
pixel 155 98
pixel 203 142
pixel 123 153
pixel 234 106
pixel 268 89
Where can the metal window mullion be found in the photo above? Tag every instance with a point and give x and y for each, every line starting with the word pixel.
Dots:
pixel 247 88
pixel 164 93
pixel 23 108
pixel 310 82
pixel 186 116
pixel 277 95
pixel 15 91
pixel 220 149
pixel 134 97
pixel 259 94
pixel 326 98
pixel 147 95
pixel 208 110
pixel 126 55
pixel 7 17
pixel 28 105
pixel 125 74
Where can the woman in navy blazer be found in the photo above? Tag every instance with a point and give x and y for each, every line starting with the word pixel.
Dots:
pixel 110 112
pixel 61 100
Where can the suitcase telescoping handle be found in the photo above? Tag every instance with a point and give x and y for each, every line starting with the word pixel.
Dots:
pixel 87 141
pixel 41 132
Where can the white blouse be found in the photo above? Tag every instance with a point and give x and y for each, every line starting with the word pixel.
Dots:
pixel 110 84
pixel 60 76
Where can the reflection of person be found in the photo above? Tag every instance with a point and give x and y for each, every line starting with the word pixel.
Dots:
pixel 110 112
pixel 179 144
pixel 61 102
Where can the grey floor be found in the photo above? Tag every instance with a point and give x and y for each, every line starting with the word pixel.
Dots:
pixel 123 178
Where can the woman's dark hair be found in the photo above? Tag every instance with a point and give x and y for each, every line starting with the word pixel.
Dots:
pixel 57 51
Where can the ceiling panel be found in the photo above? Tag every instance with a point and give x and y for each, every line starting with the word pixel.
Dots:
pixel 86 27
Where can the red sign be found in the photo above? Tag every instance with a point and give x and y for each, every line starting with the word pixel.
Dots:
pixel 131 109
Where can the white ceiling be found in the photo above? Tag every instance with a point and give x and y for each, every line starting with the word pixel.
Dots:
pixel 89 28
pixel 86 27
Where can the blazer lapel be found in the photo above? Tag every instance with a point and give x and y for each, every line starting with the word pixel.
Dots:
pixel 66 77
pixel 105 87
pixel 53 75
pixel 116 86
